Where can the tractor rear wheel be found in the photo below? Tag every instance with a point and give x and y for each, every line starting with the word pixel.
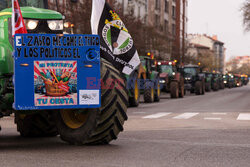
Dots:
pixel 39 124
pixel 203 88
pixel 198 87
pixel 149 92
pixel 174 89
pixel 182 91
pixel 135 92
pixel 215 87
pixel 182 88
pixel 157 91
pixel 97 126
pixel 208 86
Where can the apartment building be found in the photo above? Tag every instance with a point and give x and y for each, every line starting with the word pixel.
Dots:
pixel 169 17
pixel 213 44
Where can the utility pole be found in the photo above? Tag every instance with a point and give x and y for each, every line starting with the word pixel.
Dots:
pixel 123 7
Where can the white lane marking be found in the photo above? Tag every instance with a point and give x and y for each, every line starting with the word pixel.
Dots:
pixel 158 115
pixel 244 117
pixel 186 115
pixel 212 118
pixel 139 112
pixel 219 113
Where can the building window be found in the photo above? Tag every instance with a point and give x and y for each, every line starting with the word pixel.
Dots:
pixel 157 4
pixel 173 12
pixel 173 29
pixel 166 26
pixel 157 21
pixel 166 6
pixel 139 12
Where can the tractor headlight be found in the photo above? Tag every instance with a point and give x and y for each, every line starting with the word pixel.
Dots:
pixel 187 78
pixel 31 24
pixel 55 24
pixel 162 81
pixel 173 73
pixel 225 82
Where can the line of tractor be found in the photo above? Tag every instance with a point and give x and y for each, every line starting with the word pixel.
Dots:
pixel 155 76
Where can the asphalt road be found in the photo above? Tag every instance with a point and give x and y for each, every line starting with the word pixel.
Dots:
pixel 211 130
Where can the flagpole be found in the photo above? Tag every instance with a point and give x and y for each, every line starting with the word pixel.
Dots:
pixel 13 19
pixel 122 7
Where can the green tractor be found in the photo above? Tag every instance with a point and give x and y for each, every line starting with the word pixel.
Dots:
pixel 215 81
pixel 238 80
pixel 151 83
pixel 135 82
pixel 208 81
pixel 171 79
pixel 221 81
pixel 229 81
pixel 78 126
pixel 194 79
pixel 245 79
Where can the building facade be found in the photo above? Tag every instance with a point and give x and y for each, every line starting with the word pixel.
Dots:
pixel 215 45
pixel 237 62
pixel 168 17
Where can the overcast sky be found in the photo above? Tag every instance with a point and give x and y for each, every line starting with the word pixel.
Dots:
pixel 222 18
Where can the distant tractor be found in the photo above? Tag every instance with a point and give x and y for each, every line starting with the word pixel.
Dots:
pixel 229 81
pixel 221 81
pixel 135 82
pixel 151 85
pixel 215 81
pixel 208 81
pixel 171 79
pixel 238 80
pixel 245 79
pixel 194 79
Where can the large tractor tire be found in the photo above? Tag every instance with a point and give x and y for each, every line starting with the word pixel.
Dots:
pixel 157 92
pixel 192 90
pixel 208 87
pixel 215 87
pixel 134 100
pixel 222 85
pixel 181 88
pixel 198 87
pixel 149 96
pixel 203 88
pixel 40 124
pixel 174 89
pixel 97 126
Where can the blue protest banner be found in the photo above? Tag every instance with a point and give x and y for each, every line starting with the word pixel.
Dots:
pixel 51 71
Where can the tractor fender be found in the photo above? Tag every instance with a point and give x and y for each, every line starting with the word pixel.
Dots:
pixel 141 72
pixel 6 62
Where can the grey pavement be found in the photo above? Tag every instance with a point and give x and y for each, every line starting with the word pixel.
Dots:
pixel 196 131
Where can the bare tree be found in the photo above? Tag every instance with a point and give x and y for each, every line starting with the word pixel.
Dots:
pixel 146 39
pixel 246 15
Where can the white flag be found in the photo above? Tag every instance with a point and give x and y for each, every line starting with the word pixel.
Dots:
pixel 117 45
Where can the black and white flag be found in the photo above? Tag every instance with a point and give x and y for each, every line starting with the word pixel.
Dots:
pixel 117 45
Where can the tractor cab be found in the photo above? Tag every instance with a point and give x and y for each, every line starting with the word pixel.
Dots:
pixel 171 79
pixel 191 71
pixel 149 64
pixel 168 67
pixel 194 79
